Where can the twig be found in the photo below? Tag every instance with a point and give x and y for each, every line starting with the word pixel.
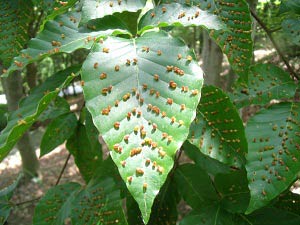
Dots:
pixel 28 201
pixel 57 182
pixel 63 169
pixel 269 34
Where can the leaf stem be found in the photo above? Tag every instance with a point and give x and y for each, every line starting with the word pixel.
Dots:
pixel 269 34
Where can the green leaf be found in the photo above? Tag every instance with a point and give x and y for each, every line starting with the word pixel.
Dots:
pixel 291 29
pixel 86 149
pixel 5 196
pixel 265 82
pixel 56 108
pixel 59 130
pixel 55 206
pixel 94 9
pixel 235 39
pixel 136 91
pixel 53 8
pixel 290 5
pixel 210 165
pixel 209 215
pixel 63 35
pixel 31 107
pixel 218 130
pixel 176 14
pixel 273 216
pixel 15 18
pixel 195 186
pixel 233 188
pixel 98 203
pixel 273 158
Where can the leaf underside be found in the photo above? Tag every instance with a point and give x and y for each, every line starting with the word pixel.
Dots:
pixel 265 82
pixel 31 107
pixel 235 39
pixel 94 9
pixel 273 159
pixel 150 90
pixel 218 130
pixel 63 35
pixel 179 15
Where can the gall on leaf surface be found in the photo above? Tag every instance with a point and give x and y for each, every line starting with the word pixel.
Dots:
pixel 265 83
pixel 235 38
pixel 218 130
pixel 142 94
pixel 95 9
pixel 273 158
pixel 64 35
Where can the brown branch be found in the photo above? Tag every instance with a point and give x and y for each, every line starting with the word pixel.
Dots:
pixel 57 182
pixel 63 169
pixel 269 34
pixel 28 201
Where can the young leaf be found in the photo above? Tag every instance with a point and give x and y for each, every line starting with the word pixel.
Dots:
pixel 273 158
pixel 59 130
pixel 15 18
pixel 63 35
pixel 93 9
pixel 85 147
pixel 5 196
pixel 55 206
pixel 265 82
pixel 163 15
pixel 291 29
pixel 142 95
pixel 98 203
pixel 233 188
pixel 195 186
pixel 218 130
pixel 31 107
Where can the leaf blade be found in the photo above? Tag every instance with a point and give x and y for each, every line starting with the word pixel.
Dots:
pixel 272 160
pixel 125 65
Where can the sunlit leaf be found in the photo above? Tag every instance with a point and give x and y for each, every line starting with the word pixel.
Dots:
pixel 142 96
